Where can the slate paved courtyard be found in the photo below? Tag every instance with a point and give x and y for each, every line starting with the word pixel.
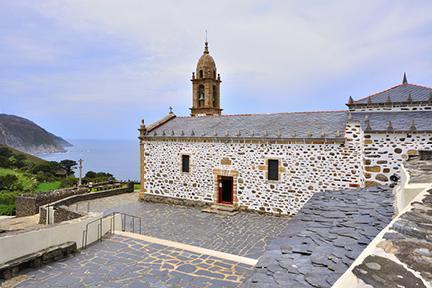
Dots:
pixel 125 262
pixel 244 234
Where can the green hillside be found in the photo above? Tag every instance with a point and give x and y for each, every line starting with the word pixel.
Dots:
pixel 24 173
pixel 29 157
pixel 25 182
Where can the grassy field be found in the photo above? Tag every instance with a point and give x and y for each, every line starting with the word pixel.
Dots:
pixel 48 186
pixel 26 182
pixel 137 186
pixel 7 199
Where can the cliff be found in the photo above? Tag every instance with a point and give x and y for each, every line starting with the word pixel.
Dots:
pixel 25 135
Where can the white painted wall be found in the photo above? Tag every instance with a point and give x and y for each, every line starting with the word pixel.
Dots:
pixel 388 151
pixel 308 168
pixel 21 244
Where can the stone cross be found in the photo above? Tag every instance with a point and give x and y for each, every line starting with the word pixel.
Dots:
pixel 80 172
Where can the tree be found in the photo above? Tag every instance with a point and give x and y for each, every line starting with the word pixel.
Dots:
pixel 5 162
pixel 92 176
pixel 6 152
pixel 69 166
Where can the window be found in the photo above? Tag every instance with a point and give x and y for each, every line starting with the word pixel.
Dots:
pixel 214 95
pixel 185 163
pixel 201 96
pixel 201 74
pixel 273 169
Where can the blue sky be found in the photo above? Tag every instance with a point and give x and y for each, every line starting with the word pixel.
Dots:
pixel 91 69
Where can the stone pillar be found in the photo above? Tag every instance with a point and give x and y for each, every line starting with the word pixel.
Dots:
pixel 142 131
pixel 80 172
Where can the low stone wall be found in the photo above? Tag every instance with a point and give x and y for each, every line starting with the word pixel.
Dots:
pixel 63 213
pixel 27 205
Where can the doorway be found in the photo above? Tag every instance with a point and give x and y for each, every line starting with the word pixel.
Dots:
pixel 225 190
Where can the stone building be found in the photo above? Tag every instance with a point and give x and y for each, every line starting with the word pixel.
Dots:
pixel 273 163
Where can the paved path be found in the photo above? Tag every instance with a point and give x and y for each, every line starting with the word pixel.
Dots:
pixel 126 262
pixel 13 225
pixel 244 234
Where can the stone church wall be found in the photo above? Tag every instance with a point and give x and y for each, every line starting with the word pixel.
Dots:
pixel 304 169
pixel 392 108
pixel 384 154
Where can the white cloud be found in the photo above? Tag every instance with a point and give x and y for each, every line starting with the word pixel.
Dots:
pixel 290 48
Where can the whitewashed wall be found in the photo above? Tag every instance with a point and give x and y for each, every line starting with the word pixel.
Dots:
pixel 384 153
pixel 306 168
pixel 50 235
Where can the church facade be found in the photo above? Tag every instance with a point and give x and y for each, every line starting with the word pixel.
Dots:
pixel 273 163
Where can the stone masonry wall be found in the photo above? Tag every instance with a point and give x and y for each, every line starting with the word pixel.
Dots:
pixel 392 108
pixel 304 169
pixel 28 204
pixel 384 154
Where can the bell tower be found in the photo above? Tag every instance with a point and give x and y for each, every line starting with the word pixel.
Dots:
pixel 205 87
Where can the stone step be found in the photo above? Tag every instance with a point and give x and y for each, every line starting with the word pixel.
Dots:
pixel 221 210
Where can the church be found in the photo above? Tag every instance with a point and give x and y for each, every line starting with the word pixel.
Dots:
pixel 273 163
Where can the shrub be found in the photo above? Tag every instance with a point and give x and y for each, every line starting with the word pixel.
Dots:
pixel 48 171
pixel 68 182
pixel 5 162
pixel 6 152
pixel 7 198
pixel 18 161
pixel 10 182
pixel 7 210
pixel 92 176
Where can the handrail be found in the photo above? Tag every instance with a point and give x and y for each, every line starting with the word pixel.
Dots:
pixel 100 229
pixel 124 217
pixel 133 217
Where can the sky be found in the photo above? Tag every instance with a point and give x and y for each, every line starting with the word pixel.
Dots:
pixel 91 69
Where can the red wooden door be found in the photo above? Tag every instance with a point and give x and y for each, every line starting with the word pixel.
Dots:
pixel 225 190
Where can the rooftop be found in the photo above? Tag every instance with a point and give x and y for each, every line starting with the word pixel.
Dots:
pixel 324 238
pixel 400 120
pixel 403 257
pixel 312 125
pixel 326 124
pixel 420 170
pixel 402 93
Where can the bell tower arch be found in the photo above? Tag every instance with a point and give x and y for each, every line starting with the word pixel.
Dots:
pixel 206 87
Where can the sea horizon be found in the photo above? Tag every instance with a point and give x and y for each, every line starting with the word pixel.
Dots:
pixel 119 157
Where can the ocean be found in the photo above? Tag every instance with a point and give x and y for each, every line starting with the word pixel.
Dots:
pixel 118 157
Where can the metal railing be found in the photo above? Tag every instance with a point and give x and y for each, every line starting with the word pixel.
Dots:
pixel 132 222
pixel 126 220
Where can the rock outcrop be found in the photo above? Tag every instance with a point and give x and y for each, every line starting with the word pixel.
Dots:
pixel 25 135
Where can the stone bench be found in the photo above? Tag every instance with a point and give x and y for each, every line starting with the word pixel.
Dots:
pixel 34 260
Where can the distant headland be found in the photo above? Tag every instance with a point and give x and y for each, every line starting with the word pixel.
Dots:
pixel 25 135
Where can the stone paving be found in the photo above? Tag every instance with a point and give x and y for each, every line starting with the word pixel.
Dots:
pixel 244 234
pixel 125 262
pixel 324 239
